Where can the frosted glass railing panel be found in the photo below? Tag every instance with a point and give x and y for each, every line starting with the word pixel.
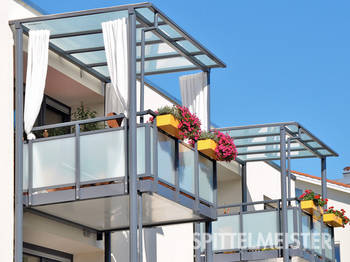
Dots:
pixel 292 233
pixel 205 178
pixel 328 242
pixel 316 238
pixel 141 154
pixel 186 168
pixel 226 233
pixel 306 231
pixel 25 166
pixel 54 162
pixel 261 228
pixel 166 158
pixel 102 155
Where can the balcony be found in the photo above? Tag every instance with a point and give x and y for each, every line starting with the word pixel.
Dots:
pixel 82 176
pixel 255 234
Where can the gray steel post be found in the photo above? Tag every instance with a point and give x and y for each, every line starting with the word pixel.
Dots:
pixel 19 145
pixel 244 185
pixel 140 228
pixel 197 251
pixel 107 243
pixel 324 195
pixel 288 170
pixel 324 177
pixel 142 84
pixel 208 98
pixel 133 213
pixel 284 225
pixel 208 242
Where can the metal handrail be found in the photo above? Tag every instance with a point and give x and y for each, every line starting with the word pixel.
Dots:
pixel 257 203
pixel 79 122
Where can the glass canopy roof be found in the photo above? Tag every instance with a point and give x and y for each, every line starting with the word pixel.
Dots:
pixel 78 37
pixel 262 142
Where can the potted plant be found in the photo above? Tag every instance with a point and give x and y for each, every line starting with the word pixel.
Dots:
pixel 179 122
pixel 335 218
pixel 312 203
pixel 217 146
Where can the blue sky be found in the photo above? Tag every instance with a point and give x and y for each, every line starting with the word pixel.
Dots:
pixel 286 61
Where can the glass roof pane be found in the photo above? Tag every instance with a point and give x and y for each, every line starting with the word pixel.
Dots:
pixel 103 70
pixel 77 23
pixel 169 31
pixel 149 36
pixel 165 64
pixel 188 46
pixel 205 60
pixel 270 156
pixel 91 57
pixel 259 131
pixel 78 42
pixel 256 140
pixel 156 50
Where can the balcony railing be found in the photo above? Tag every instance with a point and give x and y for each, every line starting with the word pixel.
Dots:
pixel 79 159
pixel 256 234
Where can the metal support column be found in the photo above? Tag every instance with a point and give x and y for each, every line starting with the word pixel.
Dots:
pixel 324 177
pixel 244 186
pixel 197 250
pixel 288 170
pixel 132 146
pixel 107 246
pixel 284 220
pixel 19 145
pixel 208 242
pixel 140 228
pixel 324 196
pixel 208 99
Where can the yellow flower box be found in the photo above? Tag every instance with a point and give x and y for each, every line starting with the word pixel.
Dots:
pixel 309 207
pixel 169 124
pixel 207 147
pixel 332 220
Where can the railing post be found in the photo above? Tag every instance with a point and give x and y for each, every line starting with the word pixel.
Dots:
pixel 30 172
pixel 196 179
pixel 283 194
pixel 155 154
pixel 77 161
pixel 107 243
pixel 177 163
pixel 208 242
pixel 132 145
pixel 244 185
pixel 197 239
pixel 19 145
pixel 140 227
pixel 324 196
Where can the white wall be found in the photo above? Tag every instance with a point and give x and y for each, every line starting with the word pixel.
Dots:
pixel 6 134
pixel 264 180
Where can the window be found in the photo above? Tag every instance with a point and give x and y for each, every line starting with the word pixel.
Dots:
pixel 52 112
pixel 33 253
pixel 298 192
pixel 337 252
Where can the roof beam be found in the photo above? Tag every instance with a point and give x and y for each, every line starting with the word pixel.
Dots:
pixel 172 43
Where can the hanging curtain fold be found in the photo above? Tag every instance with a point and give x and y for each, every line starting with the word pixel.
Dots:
pixel 112 102
pixel 115 37
pixel 38 51
pixel 194 94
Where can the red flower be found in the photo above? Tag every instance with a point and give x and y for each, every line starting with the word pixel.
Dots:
pixel 317 197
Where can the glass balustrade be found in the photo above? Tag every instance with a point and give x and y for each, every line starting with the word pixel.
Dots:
pixel 260 231
pixel 103 157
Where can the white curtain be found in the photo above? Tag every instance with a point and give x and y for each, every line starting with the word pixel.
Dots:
pixel 38 51
pixel 112 102
pixel 115 37
pixel 194 94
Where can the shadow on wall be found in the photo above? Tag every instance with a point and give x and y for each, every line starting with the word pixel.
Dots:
pixel 120 245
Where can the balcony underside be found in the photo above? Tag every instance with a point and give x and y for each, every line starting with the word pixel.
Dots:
pixel 106 207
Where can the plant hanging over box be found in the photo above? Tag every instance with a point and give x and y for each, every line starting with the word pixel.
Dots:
pixel 335 218
pixel 179 122
pixel 217 145
pixel 312 203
